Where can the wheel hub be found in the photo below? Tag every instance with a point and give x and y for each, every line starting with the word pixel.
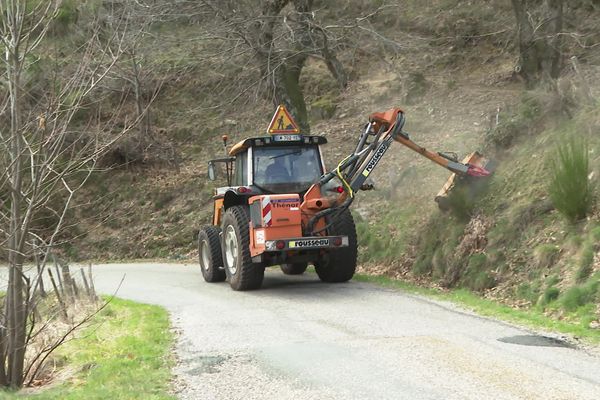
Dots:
pixel 204 259
pixel 231 250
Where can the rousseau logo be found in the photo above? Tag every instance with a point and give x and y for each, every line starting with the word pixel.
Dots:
pixel 376 157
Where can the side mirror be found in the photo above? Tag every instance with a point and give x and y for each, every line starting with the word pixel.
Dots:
pixel 212 172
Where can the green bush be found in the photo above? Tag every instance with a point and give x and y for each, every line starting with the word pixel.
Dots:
pixel 504 135
pixel 573 299
pixel 570 189
pixel 550 294
pixel 581 295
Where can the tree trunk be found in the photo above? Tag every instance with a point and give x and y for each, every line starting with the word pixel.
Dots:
pixel 287 91
pixel 282 73
pixel 143 114
pixel 336 68
pixel 540 45
pixel 16 307
pixel 555 40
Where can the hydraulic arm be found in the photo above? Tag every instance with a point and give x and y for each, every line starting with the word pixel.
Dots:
pixel 383 129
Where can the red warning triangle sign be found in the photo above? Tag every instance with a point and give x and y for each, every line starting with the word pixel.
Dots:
pixel 283 122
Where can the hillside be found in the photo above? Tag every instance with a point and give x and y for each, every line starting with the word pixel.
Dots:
pixel 451 66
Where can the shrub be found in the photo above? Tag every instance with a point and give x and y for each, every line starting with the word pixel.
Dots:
pixel 573 298
pixel 503 135
pixel 550 294
pixel 581 295
pixel 570 189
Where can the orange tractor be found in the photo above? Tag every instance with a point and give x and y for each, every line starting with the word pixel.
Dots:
pixel 281 206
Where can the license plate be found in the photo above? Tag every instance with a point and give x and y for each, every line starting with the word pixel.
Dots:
pixel 287 138
pixel 308 243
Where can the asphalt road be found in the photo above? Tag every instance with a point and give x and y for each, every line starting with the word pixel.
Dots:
pixel 298 338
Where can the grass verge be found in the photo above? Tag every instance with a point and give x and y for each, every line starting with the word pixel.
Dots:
pixel 123 355
pixel 531 318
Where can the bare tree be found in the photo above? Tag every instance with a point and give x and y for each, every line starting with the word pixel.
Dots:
pixel 133 19
pixel 539 24
pixel 47 159
pixel 280 35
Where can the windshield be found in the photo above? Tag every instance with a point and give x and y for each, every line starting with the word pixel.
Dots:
pixel 286 169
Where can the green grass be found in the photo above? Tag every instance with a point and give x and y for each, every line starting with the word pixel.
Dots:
pixel 532 318
pixel 384 237
pixel 123 355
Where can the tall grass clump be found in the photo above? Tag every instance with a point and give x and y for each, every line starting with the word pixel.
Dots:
pixel 581 295
pixel 570 189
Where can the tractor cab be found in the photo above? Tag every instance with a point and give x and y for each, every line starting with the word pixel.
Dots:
pixel 277 164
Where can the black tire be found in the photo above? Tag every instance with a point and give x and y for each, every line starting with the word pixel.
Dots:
pixel 243 274
pixel 339 265
pixel 209 253
pixel 294 269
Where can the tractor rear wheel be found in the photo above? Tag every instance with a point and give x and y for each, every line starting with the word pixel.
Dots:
pixel 339 265
pixel 241 272
pixel 294 268
pixel 209 254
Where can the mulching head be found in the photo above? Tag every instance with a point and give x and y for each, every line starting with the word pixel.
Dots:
pixel 465 187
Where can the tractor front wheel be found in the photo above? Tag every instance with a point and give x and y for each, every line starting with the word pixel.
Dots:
pixel 339 265
pixel 241 272
pixel 294 268
pixel 209 252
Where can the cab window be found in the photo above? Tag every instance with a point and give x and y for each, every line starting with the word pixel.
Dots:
pixel 240 177
pixel 290 169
